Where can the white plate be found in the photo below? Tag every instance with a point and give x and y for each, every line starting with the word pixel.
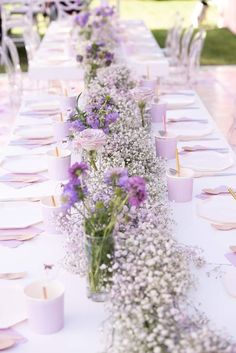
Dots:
pixel 188 130
pixel 48 106
pixel 19 214
pixel 206 161
pixel 27 165
pixel 12 305
pixel 218 209
pixel 39 133
pixel 173 101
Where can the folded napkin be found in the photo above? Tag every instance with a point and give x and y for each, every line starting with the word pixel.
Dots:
pixel 18 231
pixel 18 181
pixel 231 257
pixel 208 192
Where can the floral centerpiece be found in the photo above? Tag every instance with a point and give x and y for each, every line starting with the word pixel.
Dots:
pixel 96 56
pixel 101 217
pixel 94 23
pixel 90 126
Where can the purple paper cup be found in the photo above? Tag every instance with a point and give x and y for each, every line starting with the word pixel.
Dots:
pixel 50 212
pixel 61 130
pixel 149 84
pixel 68 103
pixel 166 146
pixel 58 166
pixel 45 314
pixel 158 112
pixel 180 188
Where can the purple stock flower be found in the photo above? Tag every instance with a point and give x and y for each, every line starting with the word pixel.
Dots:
pixel 82 19
pixel 115 175
pixel 78 169
pixel 137 190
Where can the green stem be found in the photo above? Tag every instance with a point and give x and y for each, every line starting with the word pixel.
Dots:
pixel 92 160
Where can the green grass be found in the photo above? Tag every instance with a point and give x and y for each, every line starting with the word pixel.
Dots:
pixel 219 48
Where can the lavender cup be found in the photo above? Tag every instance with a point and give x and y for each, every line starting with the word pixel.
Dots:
pixel 61 130
pixel 180 188
pixel 158 112
pixel 68 102
pixel 45 315
pixel 166 146
pixel 58 166
pixel 50 212
pixel 149 83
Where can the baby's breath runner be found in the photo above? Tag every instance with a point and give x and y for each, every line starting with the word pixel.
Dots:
pixel 148 307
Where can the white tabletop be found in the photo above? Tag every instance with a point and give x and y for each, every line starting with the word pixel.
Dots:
pixel 144 53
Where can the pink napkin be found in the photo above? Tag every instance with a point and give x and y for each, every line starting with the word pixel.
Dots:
pixel 16 243
pixel 13 333
pixel 19 184
pixel 220 190
pixel 231 257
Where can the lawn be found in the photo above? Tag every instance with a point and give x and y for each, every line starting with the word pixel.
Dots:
pixel 220 45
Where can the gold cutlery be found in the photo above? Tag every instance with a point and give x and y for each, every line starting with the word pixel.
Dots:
pixel 7 342
pixel 20 237
pixel 13 275
pixel 231 191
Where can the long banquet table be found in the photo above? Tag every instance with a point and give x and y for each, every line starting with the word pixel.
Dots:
pixel 83 318
pixel 55 56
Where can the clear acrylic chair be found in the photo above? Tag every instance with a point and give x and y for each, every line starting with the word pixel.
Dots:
pixel 185 43
pixel 14 87
pixel 194 56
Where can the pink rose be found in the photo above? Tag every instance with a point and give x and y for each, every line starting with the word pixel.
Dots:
pixel 91 139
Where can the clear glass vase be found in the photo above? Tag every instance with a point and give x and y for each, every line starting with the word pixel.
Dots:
pixel 99 253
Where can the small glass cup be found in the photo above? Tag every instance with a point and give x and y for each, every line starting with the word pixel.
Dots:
pixel 166 145
pixel 45 306
pixel 158 112
pixel 51 209
pixel 180 187
pixel 58 165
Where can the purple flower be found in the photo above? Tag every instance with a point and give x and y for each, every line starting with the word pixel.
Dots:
pixel 82 19
pixel 79 58
pixel 115 175
pixel 104 11
pixel 78 169
pixel 78 125
pixel 73 192
pixel 111 117
pixel 69 195
pixel 108 58
pixel 137 190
